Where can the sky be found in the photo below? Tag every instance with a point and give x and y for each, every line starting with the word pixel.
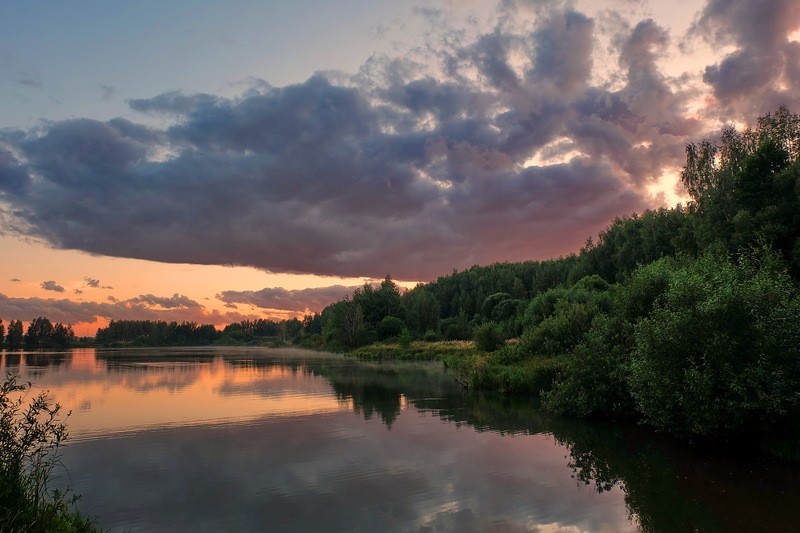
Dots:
pixel 219 161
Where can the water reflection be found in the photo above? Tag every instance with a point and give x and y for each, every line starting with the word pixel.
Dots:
pixel 265 439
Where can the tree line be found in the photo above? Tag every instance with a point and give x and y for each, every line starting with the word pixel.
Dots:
pixel 41 334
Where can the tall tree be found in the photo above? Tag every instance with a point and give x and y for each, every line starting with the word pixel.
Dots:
pixel 39 333
pixel 15 337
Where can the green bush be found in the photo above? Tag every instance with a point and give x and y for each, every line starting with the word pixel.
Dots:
pixel 390 327
pixel 32 430
pixel 405 339
pixel 593 380
pixel 455 329
pixel 430 336
pixel 720 353
pixel 488 337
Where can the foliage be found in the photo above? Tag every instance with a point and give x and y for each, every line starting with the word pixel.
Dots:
pixel 32 430
pixel 44 334
pixel 416 350
pixel 156 333
pixel 593 379
pixel 557 320
pixel 15 337
pixel 404 340
pixel 390 327
pixel 720 353
pixel 480 371
pixel 488 337
pixel 455 329
pixel 422 310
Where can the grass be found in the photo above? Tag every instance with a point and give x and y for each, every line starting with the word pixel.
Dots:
pixel 416 350
pixel 472 367
pixel 483 371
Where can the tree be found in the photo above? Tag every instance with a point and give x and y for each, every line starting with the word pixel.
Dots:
pixel 15 337
pixel 351 321
pixel 39 333
pixel 422 310
pixel 62 336
pixel 379 302
pixel 2 332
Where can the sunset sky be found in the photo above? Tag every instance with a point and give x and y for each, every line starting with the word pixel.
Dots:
pixel 215 161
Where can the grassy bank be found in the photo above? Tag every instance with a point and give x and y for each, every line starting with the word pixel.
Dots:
pixel 470 366
pixel 416 350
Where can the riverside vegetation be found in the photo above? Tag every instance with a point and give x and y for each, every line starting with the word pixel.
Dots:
pixel 32 430
pixel 685 319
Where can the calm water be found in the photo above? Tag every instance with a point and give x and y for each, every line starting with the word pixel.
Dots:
pixel 287 440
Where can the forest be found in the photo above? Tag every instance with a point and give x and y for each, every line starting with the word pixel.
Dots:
pixel 686 319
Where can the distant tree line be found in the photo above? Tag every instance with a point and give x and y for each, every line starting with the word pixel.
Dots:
pixel 155 333
pixel 162 333
pixel 41 334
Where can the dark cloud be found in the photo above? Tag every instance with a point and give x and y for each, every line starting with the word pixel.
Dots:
pixel 762 68
pixel 176 301
pixel 95 283
pixel 510 150
pixel 563 49
pixel 52 286
pixel 145 307
pixel 15 280
pixel 78 291
pixel 314 299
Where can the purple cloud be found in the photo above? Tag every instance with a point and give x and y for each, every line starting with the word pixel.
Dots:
pixel 314 299
pixel 52 286
pixel 146 307
pixel 508 149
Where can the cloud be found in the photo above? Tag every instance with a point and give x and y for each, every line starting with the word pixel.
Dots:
pixel 314 299
pixel 108 92
pixel 510 146
pixel 95 283
pixel 144 307
pixel 29 80
pixel 15 280
pixel 762 67
pixel 176 301
pixel 52 286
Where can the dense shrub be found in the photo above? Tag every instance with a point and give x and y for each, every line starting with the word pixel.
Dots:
pixel 488 337
pixel 390 327
pixel 594 376
pixel 720 353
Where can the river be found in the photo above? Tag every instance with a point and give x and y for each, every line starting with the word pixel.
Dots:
pixel 256 439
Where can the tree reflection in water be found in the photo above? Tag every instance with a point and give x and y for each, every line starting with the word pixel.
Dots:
pixel 667 487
